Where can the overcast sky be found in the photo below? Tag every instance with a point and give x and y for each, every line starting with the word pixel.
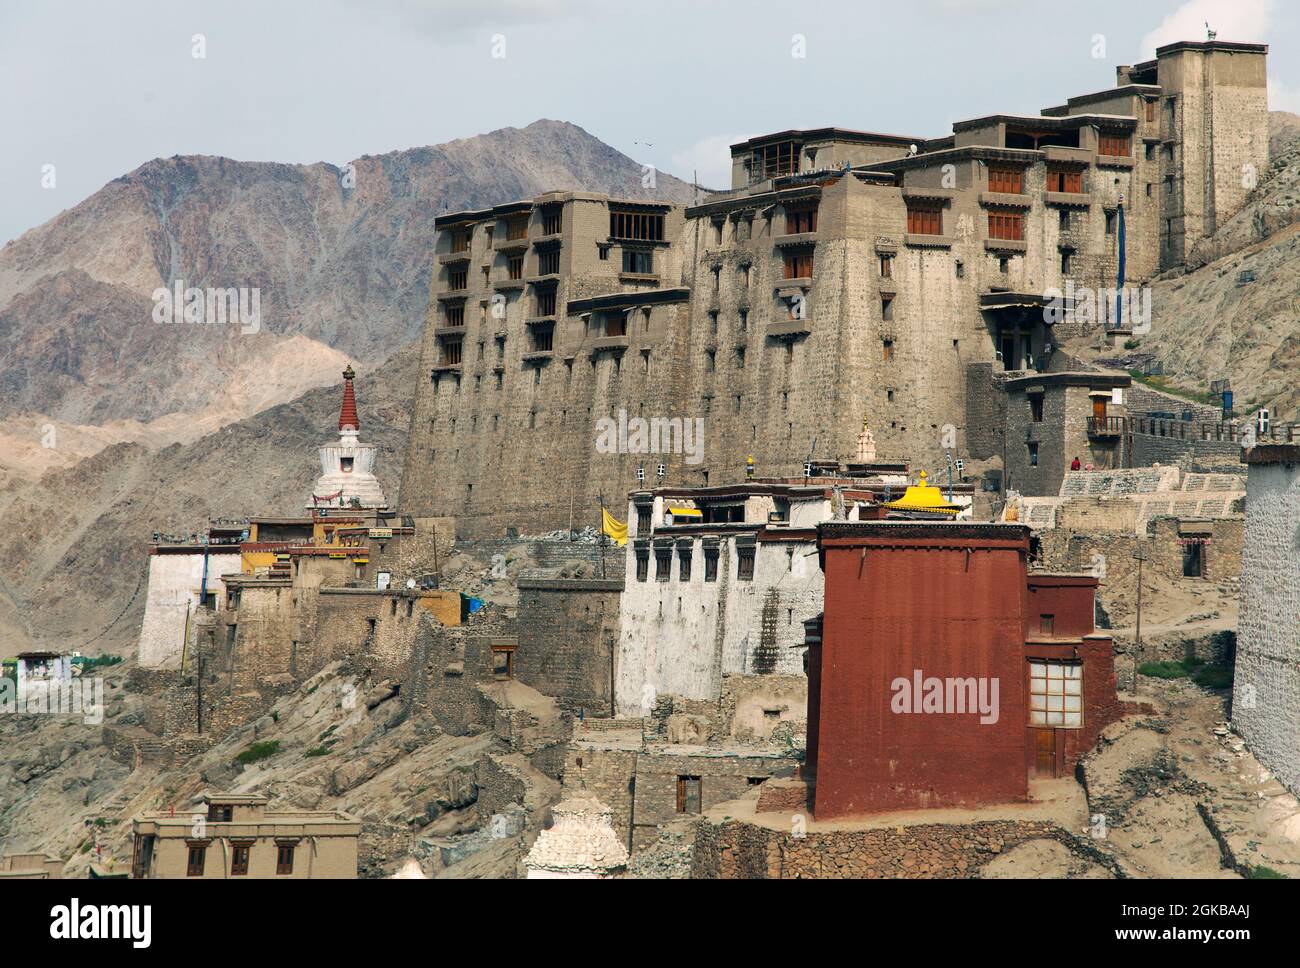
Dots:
pixel 96 89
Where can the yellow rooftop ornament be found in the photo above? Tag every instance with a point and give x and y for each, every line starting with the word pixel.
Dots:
pixel 924 499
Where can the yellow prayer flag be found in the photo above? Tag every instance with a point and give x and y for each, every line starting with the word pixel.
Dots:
pixel 617 530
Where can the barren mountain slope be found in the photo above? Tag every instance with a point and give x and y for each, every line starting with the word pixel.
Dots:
pixel 1236 313
pixel 341 260
pixel 75 543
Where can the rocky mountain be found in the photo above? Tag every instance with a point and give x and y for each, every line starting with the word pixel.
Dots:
pixel 1235 312
pixel 340 258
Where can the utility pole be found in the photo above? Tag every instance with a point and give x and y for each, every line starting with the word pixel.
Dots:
pixel 1139 557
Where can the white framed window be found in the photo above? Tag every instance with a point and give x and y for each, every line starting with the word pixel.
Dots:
pixel 1056 694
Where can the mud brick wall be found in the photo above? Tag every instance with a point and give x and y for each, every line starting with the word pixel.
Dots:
pixel 722 778
pixel 447 665
pixel 568 630
pixel 266 633
pixel 607 775
pixel 986 411
pixel 1189 454
pixel 410 556
pixel 735 850
pixel 378 628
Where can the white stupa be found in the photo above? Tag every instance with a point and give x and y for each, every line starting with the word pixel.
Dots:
pixel 347 477
pixel 582 844
pixel 866 453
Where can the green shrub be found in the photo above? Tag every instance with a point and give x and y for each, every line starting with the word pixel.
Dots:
pixel 104 659
pixel 1163 670
pixel 1213 677
pixel 317 751
pixel 1261 873
pixel 1205 676
pixel 258 751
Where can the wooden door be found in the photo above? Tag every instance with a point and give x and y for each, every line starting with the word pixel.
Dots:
pixel 1099 409
pixel 1044 752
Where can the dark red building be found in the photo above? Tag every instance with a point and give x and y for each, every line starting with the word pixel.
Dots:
pixel 943 673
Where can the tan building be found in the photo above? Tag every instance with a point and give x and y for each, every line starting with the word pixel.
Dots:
pixel 30 867
pixel 234 835
pixel 845 273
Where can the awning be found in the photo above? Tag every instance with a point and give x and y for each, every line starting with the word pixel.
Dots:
pixel 686 512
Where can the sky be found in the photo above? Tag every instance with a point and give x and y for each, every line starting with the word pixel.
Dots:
pixel 95 88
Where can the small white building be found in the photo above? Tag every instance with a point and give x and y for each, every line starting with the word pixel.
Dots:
pixel 720 581
pixel 582 844
pixel 177 588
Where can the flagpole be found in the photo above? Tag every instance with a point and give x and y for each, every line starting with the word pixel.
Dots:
pixel 602 534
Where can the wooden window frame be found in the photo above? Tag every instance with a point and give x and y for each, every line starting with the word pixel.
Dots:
pixel 196 858
pixel 663 564
pixel 1006 224
pixel 745 562
pixel 924 218
pixel 798 265
pixel 1112 145
pixel 284 857
pixel 1007 181
pixel 637 226
pixel 801 220
pixel 1064 181
pixel 517 228
pixel 240 851
pixel 639 262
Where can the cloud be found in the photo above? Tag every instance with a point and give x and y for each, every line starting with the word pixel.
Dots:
pixel 1245 21
pixel 710 157
pixel 450 18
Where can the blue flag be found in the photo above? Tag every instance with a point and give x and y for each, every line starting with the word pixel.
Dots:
pixel 1119 282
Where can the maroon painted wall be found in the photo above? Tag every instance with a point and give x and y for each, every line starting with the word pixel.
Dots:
pixel 950 600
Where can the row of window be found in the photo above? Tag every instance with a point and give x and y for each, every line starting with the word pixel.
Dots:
pixel 623 224
pixel 664 563
pixel 239 851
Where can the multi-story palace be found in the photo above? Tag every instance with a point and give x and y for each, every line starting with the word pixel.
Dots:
pixel 845 274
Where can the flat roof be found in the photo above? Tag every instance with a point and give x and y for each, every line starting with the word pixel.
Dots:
pixel 830 133
pixel 1071 378
pixel 520 206
pixel 1046 121
pixel 911 528
pixel 1272 454
pixel 1226 46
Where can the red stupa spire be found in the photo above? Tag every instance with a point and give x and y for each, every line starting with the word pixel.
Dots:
pixel 348 419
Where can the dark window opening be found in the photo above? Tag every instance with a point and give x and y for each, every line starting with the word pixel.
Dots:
pixel 745 564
